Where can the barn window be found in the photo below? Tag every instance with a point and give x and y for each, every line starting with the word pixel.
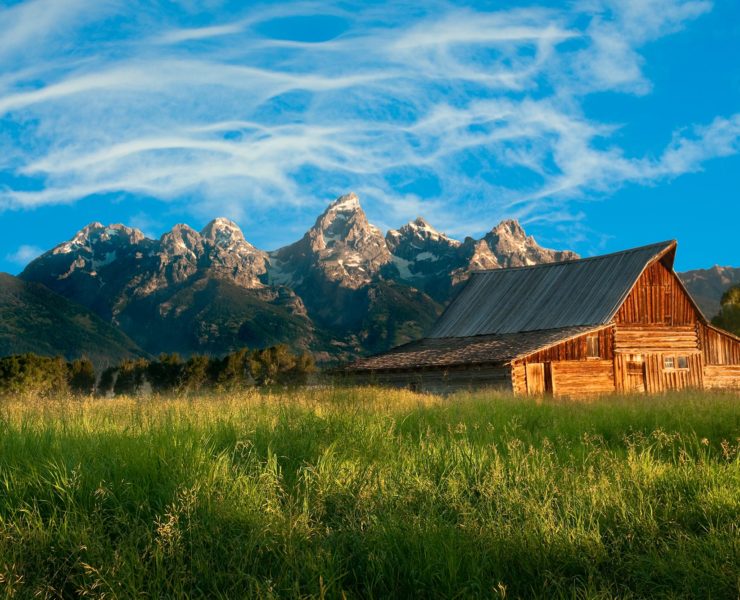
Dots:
pixel 676 362
pixel 592 346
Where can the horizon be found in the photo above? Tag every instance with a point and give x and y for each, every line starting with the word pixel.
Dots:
pixel 599 126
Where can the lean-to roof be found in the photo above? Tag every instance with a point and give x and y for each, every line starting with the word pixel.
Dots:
pixel 458 351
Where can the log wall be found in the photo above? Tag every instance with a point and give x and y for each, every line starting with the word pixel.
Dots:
pixel 722 377
pixel 633 339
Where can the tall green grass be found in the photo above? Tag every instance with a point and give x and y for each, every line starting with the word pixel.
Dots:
pixel 370 493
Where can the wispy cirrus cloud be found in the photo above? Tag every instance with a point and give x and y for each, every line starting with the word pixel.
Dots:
pixel 434 106
pixel 24 254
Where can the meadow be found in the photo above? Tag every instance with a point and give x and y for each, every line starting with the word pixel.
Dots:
pixel 369 493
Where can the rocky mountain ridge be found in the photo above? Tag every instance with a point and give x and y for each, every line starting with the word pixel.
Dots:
pixel 343 289
pixel 708 285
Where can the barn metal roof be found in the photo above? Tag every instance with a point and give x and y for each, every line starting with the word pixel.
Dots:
pixel 450 352
pixel 577 293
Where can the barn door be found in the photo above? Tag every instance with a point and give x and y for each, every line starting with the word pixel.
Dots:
pixel 535 379
pixel 635 375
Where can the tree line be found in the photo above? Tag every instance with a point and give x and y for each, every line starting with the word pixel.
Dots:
pixel 729 312
pixel 169 373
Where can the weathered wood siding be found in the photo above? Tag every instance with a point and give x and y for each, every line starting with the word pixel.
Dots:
pixel 576 378
pixel 566 369
pixel 535 378
pixel 659 378
pixel 657 320
pixel 577 348
pixel 718 347
pixel 657 298
pixel 647 372
pixel 519 378
pixel 440 381
pixel 629 373
pixel 633 339
pixel 722 377
pixel 721 353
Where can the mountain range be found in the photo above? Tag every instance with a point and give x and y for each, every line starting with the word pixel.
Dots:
pixel 708 285
pixel 343 289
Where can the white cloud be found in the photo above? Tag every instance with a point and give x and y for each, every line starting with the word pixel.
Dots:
pixel 488 106
pixel 24 255
pixel 28 24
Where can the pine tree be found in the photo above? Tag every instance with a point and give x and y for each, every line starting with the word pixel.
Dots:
pixel 165 373
pixel 232 372
pixel 131 377
pixel 81 376
pixel 729 313
pixel 196 374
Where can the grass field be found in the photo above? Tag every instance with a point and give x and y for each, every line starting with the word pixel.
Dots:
pixel 370 493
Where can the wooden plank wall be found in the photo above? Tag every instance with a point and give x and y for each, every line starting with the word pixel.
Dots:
pixel 625 379
pixel 579 375
pixel 657 298
pixel 576 378
pixel 576 349
pixel 519 378
pixel 656 320
pixel 535 378
pixel 722 376
pixel 659 379
pixel 719 348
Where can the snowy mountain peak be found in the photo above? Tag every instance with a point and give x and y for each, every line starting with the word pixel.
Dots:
pixel 96 233
pixel 181 240
pixel 514 248
pixel 341 247
pixel 344 223
pixel 509 228
pixel 347 203
pixel 420 228
pixel 90 228
pixel 223 232
pixel 182 229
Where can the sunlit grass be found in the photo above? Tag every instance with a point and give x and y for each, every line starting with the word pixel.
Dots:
pixel 370 493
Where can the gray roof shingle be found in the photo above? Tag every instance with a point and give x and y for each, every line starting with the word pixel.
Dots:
pixel 585 292
pixel 448 352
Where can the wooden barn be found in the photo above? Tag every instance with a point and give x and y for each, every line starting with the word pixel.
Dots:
pixel 621 322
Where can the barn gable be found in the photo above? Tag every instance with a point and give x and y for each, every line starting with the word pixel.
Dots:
pixel 659 297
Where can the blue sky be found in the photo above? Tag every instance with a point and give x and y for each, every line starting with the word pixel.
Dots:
pixel 599 124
